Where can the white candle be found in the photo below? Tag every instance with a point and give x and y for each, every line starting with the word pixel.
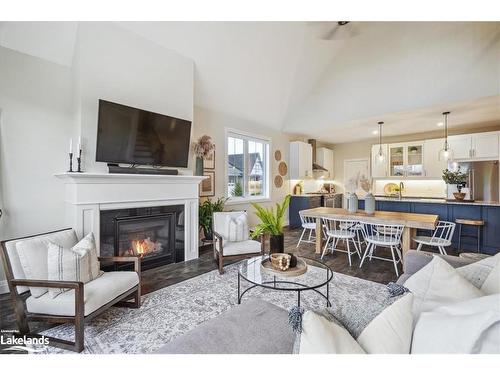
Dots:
pixel 79 143
pixel 71 145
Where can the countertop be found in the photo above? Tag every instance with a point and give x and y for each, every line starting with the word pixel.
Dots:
pixel 435 200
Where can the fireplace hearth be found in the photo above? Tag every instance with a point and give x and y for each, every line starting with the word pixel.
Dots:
pixel 155 234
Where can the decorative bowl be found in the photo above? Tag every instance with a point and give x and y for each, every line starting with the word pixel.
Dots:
pixel 280 262
pixel 459 196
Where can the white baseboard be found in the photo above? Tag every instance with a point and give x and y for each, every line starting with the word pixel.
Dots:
pixel 3 287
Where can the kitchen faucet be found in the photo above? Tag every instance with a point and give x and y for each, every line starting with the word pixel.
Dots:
pixel 400 191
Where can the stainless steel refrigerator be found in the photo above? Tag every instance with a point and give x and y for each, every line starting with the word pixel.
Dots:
pixel 483 179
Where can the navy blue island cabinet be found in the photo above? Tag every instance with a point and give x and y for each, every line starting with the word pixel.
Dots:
pixel 490 236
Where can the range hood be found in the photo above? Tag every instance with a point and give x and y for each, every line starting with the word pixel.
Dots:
pixel 318 170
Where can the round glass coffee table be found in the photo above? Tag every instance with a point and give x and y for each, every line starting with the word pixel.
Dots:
pixel 251 271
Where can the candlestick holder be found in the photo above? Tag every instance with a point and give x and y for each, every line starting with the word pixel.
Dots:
pixel 70 162
pixel 79 161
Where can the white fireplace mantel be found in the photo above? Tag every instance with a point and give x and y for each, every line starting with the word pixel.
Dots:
pixel 87 194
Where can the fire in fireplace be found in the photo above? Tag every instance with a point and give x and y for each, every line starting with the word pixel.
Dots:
pixel 156 234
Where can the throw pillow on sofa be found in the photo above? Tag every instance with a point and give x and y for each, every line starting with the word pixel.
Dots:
pixel 33 256
pixel 438 284
pixel 389 333
pixel 76 264
pixel 468 327
pixel 484 274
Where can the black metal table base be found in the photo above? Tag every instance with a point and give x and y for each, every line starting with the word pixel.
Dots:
pixel 275 287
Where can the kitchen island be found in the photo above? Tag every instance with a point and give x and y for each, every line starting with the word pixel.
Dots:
pixel 450 211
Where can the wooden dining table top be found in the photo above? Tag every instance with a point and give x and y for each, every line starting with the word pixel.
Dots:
pixel 408 219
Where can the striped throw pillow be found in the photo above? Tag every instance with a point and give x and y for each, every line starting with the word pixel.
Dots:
pixel 76 264
pixel 237 228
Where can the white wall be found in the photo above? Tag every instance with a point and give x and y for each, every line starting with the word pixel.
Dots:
pixel 43 104
pixel 213 124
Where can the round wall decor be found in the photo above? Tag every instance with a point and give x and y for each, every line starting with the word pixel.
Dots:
pixel 277 155
pixel 278 181
pixel 282 168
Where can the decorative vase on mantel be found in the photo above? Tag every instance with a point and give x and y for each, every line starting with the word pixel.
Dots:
pixel 199 166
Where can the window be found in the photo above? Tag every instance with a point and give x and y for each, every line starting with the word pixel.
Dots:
pixel 247 167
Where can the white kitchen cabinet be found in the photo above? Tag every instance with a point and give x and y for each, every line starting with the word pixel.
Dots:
pixel 324 157
pixel 485 145
pixel 406 159
pixel 433 167
pixel 461 145
pixel 300 160
pixel 379 170
pixel 474 146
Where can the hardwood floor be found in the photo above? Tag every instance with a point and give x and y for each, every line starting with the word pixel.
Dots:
pixel 378 271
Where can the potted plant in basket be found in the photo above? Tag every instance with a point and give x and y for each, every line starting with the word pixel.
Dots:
pixel 272 223
pixel 456 178
pixel 205 215
pixel 202 148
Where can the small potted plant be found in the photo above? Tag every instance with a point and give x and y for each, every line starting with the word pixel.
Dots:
pixel 272 223
pixel 202 148
pixel 205 215
pixel 457 178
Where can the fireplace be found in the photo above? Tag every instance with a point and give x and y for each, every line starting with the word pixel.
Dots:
pixel 155 234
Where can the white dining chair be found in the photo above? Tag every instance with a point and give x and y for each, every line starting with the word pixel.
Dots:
pixel 359 234
pixel 337 230
pixel 308 224
pixel 440 238
pixel 383 235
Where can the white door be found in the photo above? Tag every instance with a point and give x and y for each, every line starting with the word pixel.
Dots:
pixel 433 167
pixel 461 146
pixel 485 145
pixel 379 170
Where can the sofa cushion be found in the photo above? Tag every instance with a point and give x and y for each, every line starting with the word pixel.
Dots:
pixel 220 221
pixel 254 327
pixel 438 284
pixel 468 327
pixel 324 336
pixel 240 248
pixel 492 283
pixel 32 253
pixel 97 293
pixel 391 331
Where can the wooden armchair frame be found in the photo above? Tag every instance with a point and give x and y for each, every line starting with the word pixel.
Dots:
pixel 23 317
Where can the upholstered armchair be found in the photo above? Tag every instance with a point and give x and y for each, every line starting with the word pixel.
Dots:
pixel 79 303
pixel 226 249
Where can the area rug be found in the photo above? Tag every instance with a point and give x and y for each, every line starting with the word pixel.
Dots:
pixel 172 311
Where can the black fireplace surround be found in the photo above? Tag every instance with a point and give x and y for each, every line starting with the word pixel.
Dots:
pixel 156 234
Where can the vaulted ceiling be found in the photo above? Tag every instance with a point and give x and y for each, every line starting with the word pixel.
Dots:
pixel 288 76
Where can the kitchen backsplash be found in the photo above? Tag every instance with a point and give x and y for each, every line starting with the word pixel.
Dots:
pixel 414 188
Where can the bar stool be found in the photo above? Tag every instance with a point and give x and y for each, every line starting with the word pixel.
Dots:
pixel 476 223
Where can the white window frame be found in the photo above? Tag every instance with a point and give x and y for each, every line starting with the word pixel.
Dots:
pixel 235 133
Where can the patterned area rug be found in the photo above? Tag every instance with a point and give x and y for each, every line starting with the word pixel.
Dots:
pixel 174 310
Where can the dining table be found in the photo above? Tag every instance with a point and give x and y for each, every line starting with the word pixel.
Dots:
pixel 411 221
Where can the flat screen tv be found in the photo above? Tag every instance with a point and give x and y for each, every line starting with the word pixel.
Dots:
pixel 134 136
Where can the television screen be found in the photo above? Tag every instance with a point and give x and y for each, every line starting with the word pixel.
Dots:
pixel 133 136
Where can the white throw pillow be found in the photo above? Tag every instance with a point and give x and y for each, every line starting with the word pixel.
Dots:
pixel 237 228
pixel 33 255
pixel 391 331
pixel 478 272
pixel 467 327
pixel 76 264
pixel 322 336
pixel 437 284
pixel 492 283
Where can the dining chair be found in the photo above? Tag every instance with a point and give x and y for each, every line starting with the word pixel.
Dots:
pixel 441 237
pixel 308 224
pixel 383 235
pixel 359 235
pixel 337 230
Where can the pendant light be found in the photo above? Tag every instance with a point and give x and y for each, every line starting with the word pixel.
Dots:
pixel 380 155
pixel 446 153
